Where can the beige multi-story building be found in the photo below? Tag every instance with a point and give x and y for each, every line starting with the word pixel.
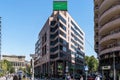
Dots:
pixel 107 36
pixel 60 46
pixel 16 61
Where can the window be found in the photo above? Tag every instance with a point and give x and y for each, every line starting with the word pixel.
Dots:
pixel 54 28
pixel 63 34
pixel 76 39
pixel 53 23
pixel 63 41
pixel 54 42
pixel 52 36
pixel 54 56
pixel 62 19
pixel 54 49
pixel 63 48
pixel 73 47
pixel 76 33
pixel 76 27
pixel 63 27
pixel 62 54
pixel 44 38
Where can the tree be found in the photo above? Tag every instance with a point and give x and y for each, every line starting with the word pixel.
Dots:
pixel 28 70
pixel 92 63
pixel 12 70
pixel 6 66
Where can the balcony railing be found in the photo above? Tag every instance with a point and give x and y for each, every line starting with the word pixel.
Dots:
pixel 117 3
pixel 111 33
pixel 115 45
pixel 112 19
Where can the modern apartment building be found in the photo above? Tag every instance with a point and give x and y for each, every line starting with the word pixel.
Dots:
pixel 60 45
pixel 107 36
pixel 16 61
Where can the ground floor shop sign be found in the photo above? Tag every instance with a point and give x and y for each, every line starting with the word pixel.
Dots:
pixel 106 67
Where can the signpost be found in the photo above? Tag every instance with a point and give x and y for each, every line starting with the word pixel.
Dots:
pixel 86 69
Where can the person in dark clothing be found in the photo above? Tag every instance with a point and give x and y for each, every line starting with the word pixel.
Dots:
pixel 15 77
pixel 20 77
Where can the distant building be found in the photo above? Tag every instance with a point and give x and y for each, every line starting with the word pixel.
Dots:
pixel 17 61
pixel 60 45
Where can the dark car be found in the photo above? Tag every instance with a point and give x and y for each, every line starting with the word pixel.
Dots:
pixel 90 78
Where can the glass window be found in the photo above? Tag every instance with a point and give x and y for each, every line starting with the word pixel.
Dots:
pixel 62 19
pixel 54 49
pixel 63 27
pixel 63 48
pixel 76 27
pixel 53 23
pixel 54 28
pixel 54 56
pixel 63 41
pixel 63 34
pixel 54 42
pixel 52 36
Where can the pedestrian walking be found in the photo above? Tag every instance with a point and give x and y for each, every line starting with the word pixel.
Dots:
pixel 15 77
pixel 6 77
pixel 68 77
pixel 20 77
pixel 81 77
pixel 97 77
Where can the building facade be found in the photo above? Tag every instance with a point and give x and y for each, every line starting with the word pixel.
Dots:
pixel 107 39
pixel 60 46
pixel 16 61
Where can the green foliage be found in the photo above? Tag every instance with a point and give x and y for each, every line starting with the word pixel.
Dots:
pixel 12 70
pixel 6 66
pixel 92 63
pixel 28 70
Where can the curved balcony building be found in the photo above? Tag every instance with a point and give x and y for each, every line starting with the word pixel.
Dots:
pixel 107 36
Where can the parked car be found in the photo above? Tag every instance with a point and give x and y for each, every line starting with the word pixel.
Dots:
pixel 90 77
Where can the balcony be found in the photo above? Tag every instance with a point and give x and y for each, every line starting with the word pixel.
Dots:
pixel 96 29
pixel 96 9
pixel 109 14
pixel 96 1
pixel 107 4
pixel 109 26
pixel 109 50
pixel 96 19
pixel 114 35
pixel 100 2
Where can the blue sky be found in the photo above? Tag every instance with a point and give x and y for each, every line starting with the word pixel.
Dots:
pixel 22 20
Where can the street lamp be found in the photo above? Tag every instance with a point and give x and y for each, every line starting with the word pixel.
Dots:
pixel 114 70
pixel 114 66
pixel 86 69
pixel 33 56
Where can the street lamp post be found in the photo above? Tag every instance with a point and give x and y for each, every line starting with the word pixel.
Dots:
pixel 114 70
pixel 114 66
pixel 33 56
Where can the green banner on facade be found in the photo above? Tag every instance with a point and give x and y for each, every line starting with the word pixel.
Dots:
pixel 60 5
